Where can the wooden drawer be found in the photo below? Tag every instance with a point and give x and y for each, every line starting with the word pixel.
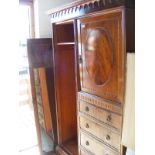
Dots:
pixel 94 146
pixel 102 115
pixel 102 132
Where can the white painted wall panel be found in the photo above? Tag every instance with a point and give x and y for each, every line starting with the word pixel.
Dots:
pixel 42 21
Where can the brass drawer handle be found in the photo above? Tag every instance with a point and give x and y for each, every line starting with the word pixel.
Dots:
pixel 87 143
pixel 87 125
pixel 109 118
pixel 87 109
pixel 107 137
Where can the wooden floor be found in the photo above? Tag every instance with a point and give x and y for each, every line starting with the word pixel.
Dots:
pixel 71 145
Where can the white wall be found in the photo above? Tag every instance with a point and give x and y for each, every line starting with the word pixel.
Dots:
pixel 42 21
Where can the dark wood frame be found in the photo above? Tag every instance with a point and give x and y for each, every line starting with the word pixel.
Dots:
pixel 37 60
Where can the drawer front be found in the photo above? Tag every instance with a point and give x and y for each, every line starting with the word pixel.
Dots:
pixel 101 132
pixel 102 115
pixel 95 146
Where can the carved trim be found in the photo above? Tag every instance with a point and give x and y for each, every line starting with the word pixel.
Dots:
pixel 81 7
pixel 97 101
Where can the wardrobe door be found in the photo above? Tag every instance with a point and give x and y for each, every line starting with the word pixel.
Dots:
pixel 102 53
pixel 40 55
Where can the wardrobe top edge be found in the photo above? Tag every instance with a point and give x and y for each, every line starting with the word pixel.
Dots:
pixel 91 5
pixel 82 7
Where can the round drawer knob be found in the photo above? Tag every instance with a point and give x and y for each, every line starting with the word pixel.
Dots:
pixel 87 143
pixel 87 125
pixel 87 108
pixel 109 118
pixel 107 137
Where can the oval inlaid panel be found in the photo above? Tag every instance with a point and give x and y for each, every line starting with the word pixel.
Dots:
pixel 98 55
